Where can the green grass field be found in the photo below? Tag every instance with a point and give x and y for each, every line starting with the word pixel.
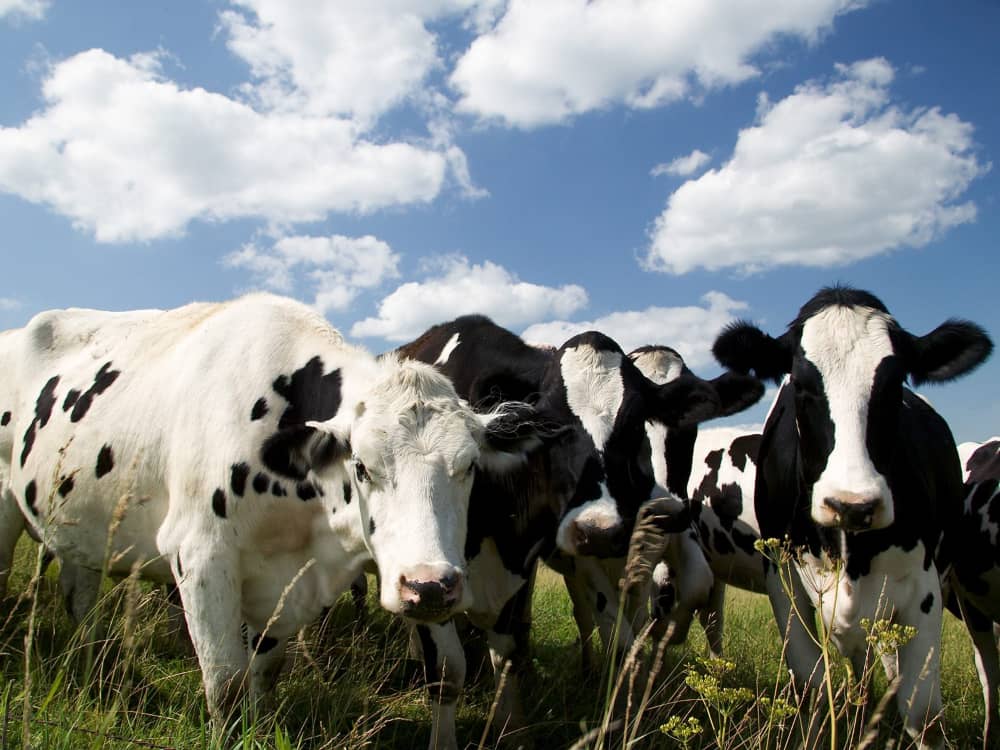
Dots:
pixel 353 686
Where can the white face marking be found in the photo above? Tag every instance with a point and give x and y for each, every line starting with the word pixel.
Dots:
pixel 594 389
pixel 846 344
pixel 447 350
pixel 660 366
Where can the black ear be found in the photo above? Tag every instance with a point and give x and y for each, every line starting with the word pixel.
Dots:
pixel 294 451
pixel 949 351
pixel 737 392
pixel 683 402
pixel 743 347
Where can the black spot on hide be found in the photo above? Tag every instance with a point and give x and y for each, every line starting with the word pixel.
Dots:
pixel 105 461
pixel 65 486
pixel 263 644
pixel 30 496
pixel 259 409
pixel 305 491
pixel 371 526
pixel 744 541
pixel 238 478
pixel 744 448
pixel 102 381
pixel 310 394
pixel 219 503
pixel 180 568
pixel 347 493
pixel 43 411
pixel 602 601
pixel 261 483
pixel 70 399
pixel 722 543
pixel 278 489
pixel 5 419
pixel 927 603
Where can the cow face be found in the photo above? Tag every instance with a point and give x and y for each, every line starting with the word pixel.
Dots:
pixel 608 463
pixel 415 449
pixel 847 360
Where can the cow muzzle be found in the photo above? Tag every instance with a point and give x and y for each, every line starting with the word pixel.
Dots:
pixel 431 593
pixel 853 512
pixel 595 540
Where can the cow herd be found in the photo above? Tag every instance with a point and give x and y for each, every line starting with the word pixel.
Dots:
pixel 247 454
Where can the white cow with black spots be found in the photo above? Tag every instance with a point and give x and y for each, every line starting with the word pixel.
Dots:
pixel 245 451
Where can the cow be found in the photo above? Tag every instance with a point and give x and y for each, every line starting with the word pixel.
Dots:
pixel 860 475
pixel 245 451
pixel 593 583
pixel 718 548
pixel 579 496
pixel 976 569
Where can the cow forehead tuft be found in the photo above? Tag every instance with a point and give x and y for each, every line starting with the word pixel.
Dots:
pixel 840 337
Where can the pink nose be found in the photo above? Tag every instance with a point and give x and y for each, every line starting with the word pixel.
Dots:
pixel 428 594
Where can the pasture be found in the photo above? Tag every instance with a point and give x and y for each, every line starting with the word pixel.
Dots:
pixel 352 686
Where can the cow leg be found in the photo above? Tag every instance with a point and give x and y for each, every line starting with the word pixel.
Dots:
pixel 797 626
pixel 984 642
pixel 11 526
pixel 509 642
pixel 210 591
pixel 444 673
pixel 583 614
pixel 919 696
pixel 712 618
pixel 267 655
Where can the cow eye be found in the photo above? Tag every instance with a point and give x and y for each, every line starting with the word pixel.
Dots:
pixel 361 472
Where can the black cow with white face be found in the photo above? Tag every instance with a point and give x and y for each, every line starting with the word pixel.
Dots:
pixel 580 493
pixel 861 475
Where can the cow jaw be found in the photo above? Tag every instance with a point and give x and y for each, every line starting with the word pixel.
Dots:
pixel 845 345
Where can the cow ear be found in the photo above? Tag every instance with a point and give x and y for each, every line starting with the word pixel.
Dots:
pixel 737 392
pixel 949 351
pixel 743 347
pixel 293 451
pixel 511 432
pixel 685 401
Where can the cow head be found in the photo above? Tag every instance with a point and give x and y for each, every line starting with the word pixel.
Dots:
pixel 411 448
pixel 846 361
pixel 608 460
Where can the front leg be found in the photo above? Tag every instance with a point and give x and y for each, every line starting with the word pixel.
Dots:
pixel 444 675
pixel 209 584
pixel 267 656
pixel 919 696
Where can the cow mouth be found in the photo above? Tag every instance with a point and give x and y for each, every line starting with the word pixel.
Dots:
pixel 428 615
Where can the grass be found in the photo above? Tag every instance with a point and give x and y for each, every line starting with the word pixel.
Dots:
pixel 352 686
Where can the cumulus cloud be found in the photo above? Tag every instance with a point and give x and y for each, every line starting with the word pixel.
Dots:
pixel 17 10
pixel 337 268
pixel 129 155
pixel 348 58
pixel 544 62
pixel 683 165
pixel 829 175
pixel 690 330
pixel 460 287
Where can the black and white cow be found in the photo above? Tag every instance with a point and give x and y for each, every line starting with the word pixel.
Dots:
pixel 861 475
pixel 974 549
pixel 247 452
pixel 718 548
pixel 580 495
pixel 593 583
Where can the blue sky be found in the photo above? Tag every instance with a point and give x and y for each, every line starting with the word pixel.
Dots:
pixel 652 169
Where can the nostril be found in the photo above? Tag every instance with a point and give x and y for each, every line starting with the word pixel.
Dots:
pixel 837 506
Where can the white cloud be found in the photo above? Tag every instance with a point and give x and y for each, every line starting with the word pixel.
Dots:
pixel 16 10
pixel 8 303
pixel 460 288
pixel 129 155
pixel 829 175
pixel 690 330
pixel 337 268
pixel 683 165
pixel 544 62
pixel 347 57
